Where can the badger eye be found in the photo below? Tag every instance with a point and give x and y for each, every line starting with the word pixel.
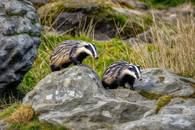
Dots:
pixel 86 46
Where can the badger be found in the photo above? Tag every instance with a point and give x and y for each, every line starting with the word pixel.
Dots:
pixel 71 52
pixel 121 73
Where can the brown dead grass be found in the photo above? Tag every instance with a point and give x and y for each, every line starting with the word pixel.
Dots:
pixel 173 47
pixel 23 114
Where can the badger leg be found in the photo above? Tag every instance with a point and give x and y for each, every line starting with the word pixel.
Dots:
pixel 127 85
pixel 54 68
pixel 75 61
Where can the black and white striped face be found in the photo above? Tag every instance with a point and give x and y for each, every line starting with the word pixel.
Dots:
pixel 132 70
pixel 92 49
pixel 88 48
pixel 135 71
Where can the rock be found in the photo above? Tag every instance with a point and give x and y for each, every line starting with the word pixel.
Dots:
pixel 39 2
pixel 101 20
pixel 145 37
pixel 132 4
pixel 179 114
pixel 75 98
pixel 163 82
pixel 162 122
pixel 3 125
pixel 172 14
pixel 19 39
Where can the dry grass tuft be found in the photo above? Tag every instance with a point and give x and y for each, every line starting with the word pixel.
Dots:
pixel 23 114
pixel 173 47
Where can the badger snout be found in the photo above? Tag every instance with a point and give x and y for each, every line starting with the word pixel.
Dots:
pixel 96 57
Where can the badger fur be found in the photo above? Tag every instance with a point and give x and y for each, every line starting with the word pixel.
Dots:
pixel 121 73
pixel 71 52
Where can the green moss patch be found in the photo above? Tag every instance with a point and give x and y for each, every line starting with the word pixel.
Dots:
pixel 35 124
pixel 162 101
pixel 149 95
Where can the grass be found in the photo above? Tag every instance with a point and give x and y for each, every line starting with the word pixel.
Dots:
pixel 100 13
pixel 173 49
pixel 22 117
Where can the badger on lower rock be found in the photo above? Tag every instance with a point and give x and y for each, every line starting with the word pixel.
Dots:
pixel 121 73
pixel 71 52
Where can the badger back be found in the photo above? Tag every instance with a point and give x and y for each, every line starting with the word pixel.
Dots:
pixel 114 70
pixel 62 53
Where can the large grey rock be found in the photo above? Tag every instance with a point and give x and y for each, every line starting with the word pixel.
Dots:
pixel 179 114
pixel 75 98
pixel 19 39
pixel 163 82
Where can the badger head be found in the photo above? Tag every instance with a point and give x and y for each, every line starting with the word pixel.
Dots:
pixel 129 74
pixel 88 48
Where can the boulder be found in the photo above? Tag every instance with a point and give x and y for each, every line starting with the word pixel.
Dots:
pixel 179 114
pixel 99 19
pixel 19 39
pixel 75 98
pixel 164 82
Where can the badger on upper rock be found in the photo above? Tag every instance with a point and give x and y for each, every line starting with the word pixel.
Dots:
pixel 71 52
pixel 121 73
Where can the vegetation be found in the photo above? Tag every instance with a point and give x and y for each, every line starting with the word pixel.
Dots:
pixel 162 101
pixel 173 44
pixel 172 48
pixel 150 96
pixel 22 117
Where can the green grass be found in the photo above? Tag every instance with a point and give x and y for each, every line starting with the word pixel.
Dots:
pixel 173 49
pixel 108 52
pixel 9 110
pixel 35 124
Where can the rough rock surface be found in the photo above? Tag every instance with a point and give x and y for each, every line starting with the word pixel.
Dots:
pixel 179 114
pixel 163 82
pixel 75 98
pixel 19 39
pixel 3 125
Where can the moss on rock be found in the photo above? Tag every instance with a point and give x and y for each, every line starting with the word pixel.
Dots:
pixel 162 101
pixel 149 95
